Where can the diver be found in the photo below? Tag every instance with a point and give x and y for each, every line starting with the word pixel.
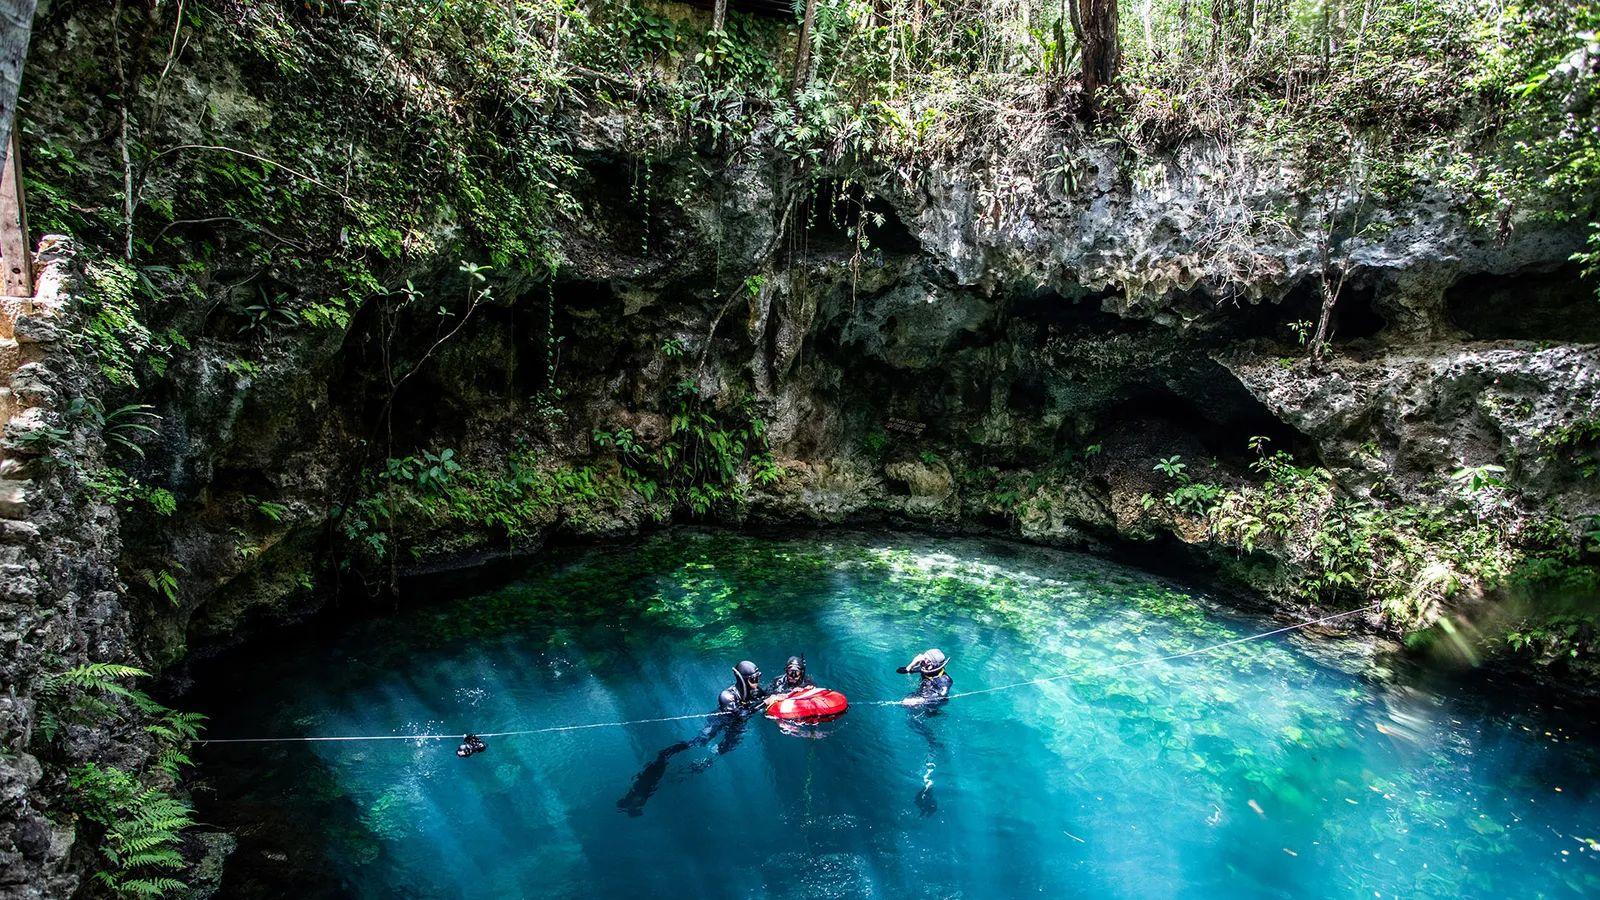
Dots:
pixel 933 688
pixel 934 685
pixel 470 744
pixel 734 708
pixel 794 677
pixel 745 695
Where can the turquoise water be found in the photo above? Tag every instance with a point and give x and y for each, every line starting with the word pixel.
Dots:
pixel 1289 767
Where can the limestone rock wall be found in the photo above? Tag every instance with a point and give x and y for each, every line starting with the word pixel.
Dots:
pixel 61 598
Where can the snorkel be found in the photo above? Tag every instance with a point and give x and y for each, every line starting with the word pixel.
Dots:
pixel 794 671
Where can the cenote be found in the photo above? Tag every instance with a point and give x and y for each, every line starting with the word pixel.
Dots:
pixel 1298 765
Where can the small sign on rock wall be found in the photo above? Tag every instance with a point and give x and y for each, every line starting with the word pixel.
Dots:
pixel 905 427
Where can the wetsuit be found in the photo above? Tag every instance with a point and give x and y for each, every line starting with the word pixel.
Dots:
pixel 729 727
pixel 932 687
pixel 930 695
pixel 734 709
pixel 729 701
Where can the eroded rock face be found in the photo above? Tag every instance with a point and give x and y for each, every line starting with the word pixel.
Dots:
pixel 927 481
pixel 1419 412
pixel 1070 337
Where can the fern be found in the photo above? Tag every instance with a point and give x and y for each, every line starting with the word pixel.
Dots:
pixel 142 887
pixel 143 830
pixel 83 694
pixel 142 823
pixel 100 676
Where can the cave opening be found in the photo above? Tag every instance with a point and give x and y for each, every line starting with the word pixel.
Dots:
pixel 482 376
pixel 1074 311
pixel 1355 314
pixel 831 216
pixel 1557 305
pixel 1209 413
pixel 620 201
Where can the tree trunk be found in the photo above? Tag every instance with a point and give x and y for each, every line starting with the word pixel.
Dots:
pixel 16 27
pixel 719 12
pixel 1096 24
pixel 1183 30
pixel 802 62
pixel 1327 34
pixel 1323 334
pixel 1218 20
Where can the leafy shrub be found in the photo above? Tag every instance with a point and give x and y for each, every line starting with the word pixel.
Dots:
pixel 112 334
pixel 117 487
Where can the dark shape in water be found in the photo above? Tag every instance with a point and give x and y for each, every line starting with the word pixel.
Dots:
pixel 645 784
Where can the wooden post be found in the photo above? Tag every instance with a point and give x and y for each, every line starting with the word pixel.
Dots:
pixel 16 254
pixel 16 28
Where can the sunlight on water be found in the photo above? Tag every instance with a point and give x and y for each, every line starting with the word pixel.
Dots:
pixel 1285 767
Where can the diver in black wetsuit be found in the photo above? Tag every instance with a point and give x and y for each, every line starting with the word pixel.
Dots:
pixel 794 677
pixel 933 688
pixel 745 695
pixel 735 705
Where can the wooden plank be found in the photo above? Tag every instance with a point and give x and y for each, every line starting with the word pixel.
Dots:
pixel 16 252
pixel 16 28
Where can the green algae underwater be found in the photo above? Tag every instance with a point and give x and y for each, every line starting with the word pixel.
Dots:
pixel 1297 765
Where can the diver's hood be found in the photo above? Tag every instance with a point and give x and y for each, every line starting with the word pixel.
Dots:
pixel 795 664
pixel 744 671
pixel 928 662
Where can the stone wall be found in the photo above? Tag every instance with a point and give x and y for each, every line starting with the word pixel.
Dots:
pixel 60 597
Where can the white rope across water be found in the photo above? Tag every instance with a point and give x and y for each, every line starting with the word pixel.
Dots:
pixel 430 736
pixel 552 729
pixel 1155 659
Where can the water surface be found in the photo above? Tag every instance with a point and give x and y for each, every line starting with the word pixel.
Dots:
pixel 1289 767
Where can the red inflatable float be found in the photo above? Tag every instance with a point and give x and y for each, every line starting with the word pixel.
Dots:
pixel 811 703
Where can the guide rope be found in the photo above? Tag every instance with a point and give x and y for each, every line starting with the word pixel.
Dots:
pixel 1154 659
pixel 430 736
pixel 552 729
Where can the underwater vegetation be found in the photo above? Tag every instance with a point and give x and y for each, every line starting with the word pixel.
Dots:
pixel 1317 767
